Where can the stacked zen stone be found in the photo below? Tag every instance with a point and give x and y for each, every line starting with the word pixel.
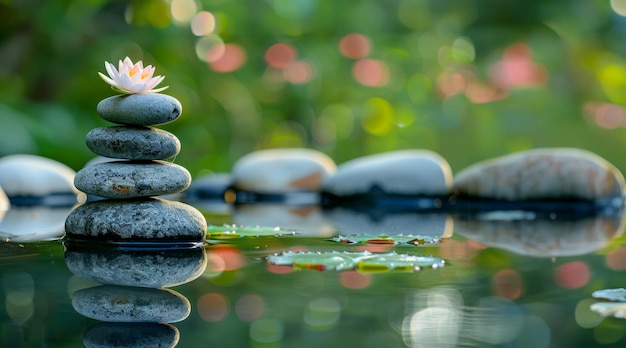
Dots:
pixel 130 211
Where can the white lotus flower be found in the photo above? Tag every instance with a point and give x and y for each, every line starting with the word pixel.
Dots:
pixel 132 78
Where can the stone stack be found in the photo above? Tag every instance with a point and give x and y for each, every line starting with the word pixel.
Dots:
pixel 131 212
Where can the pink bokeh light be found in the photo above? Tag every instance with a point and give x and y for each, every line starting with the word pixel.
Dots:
pixel 371 72
pixel 226 58
pixel 354 46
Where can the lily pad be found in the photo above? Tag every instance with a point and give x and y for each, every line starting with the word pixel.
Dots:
pixel 365 261
pixel 613 295
pixel 606 309
pixel 234 231
pixel 385 239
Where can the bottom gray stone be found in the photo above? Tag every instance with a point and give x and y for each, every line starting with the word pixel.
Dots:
pixel 135 335
pixel 137 220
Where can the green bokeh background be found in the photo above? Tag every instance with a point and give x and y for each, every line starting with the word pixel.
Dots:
pixel 51 52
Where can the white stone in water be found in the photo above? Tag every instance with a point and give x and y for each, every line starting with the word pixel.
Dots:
pixel 280 171
pixel 35 176
pixel 115 303
pixel 542 237
pixel 553 173
pixel 4 203
pixel 405 172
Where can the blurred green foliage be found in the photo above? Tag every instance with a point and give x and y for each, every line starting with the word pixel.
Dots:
pixel 468 79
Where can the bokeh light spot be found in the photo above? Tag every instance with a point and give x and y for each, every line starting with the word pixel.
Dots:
pixel 213 307
pixel 280 55
pixel 371 72
pixel 203 23
pixel 377 116
pixel 210 48
pixel 298 72
pixel 572 275
pixel 232 57
pixel 249 307
pixel 354 279
pixel 616 259
pixel 619 7
pixel 183 10
pixel 517 69
pixel 322 314
pixel 354 46
pixel 266 330
pixel 507 283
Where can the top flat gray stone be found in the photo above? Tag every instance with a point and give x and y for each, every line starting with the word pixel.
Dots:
pixel 140 109
pixel 550 173
pixel 403 172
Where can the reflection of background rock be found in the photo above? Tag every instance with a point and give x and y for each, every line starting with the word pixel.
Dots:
pixel 542 237
pixel 306 220
pixel 354 222
pixel 438 317
pixel 33 223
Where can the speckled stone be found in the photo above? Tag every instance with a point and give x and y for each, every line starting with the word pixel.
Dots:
pixel 280 171
pixel 35 176
pixel 404 172
pixel 555 173
pixel 135 267
pixel 139 220
pixel 127 179
pixel 131 335
pixel 147 109
pixel 528 235
pixel 135 143
pixel 131 304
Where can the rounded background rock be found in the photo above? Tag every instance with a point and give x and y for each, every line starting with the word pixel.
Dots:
pixel 131 304
pixel 134 143
pixel 150 220
pixel 278 171
pixel 147 109
pixel 404 172
pixel 129 179
pixel 551 173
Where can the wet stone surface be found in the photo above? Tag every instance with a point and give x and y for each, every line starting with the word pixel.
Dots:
pixel 126 179
pixel 131 304
pixel 135 143
pixel 149 109
pixel 139 220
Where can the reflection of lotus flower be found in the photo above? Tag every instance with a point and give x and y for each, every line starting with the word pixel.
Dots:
pixel 132 78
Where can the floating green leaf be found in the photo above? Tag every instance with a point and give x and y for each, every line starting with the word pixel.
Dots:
pixel 234 231
pixel 385 239
pixel 365 262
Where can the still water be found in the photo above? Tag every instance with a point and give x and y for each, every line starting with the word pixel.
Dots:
pixel 509 280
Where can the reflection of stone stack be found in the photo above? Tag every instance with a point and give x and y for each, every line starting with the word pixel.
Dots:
pixel 134 306
pixel 130 213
